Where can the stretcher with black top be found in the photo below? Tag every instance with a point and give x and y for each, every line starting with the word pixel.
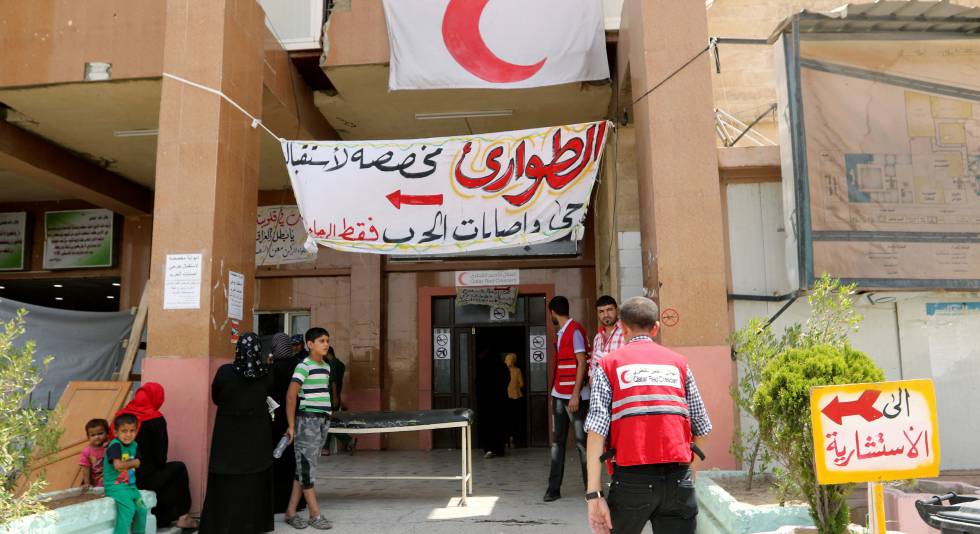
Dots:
pixel 380 422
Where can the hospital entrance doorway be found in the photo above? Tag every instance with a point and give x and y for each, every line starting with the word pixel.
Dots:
pixel 470 344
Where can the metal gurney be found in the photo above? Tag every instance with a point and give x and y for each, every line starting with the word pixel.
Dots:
pixel 379 422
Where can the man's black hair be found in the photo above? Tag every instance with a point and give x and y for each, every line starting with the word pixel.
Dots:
pixel 559 305
pixel 605 300
pixel 315 333
pixel 125 419
pixel 92 423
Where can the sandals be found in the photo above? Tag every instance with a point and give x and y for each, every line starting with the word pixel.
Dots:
pixel 297 522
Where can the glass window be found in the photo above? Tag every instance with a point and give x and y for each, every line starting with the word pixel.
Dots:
pixel 270 323
pixel 442 311
pixel 537 309
pixel 299 323
pixel 538 343
pixel 481 314
pixel 464 362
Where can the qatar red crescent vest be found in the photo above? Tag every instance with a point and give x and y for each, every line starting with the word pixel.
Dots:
pixel 650 419
pixel 565 364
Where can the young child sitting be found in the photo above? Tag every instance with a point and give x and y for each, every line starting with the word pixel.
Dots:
pixel 97 431
pixel 121 461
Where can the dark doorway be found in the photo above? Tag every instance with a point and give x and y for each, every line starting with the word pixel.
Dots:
pixel 500 420
pixel 460 334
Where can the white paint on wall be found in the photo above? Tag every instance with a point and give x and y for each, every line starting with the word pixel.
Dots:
pixel 940 339
pixel 630 265
pixel 897 331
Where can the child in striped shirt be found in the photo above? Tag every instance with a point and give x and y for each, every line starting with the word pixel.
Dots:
pixel 308 416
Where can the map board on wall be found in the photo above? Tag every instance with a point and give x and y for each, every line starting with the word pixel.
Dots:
pixel 882 186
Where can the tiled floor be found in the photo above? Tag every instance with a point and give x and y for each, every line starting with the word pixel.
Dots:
pixel 506 495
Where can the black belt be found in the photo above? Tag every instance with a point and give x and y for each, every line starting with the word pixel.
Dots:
pixel 649 470
pixel 611 453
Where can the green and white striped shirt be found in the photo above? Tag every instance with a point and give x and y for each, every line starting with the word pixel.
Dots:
pixel 314 381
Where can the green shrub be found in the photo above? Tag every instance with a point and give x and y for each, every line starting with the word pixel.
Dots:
pixel 782 408
pixel 23 429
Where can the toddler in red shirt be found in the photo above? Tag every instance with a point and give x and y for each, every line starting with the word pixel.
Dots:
pixel 97 431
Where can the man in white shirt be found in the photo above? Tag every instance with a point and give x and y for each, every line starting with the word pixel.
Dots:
pixel 610 335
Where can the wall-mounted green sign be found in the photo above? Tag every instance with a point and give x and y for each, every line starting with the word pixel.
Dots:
pixel 77 239
pixel 12 236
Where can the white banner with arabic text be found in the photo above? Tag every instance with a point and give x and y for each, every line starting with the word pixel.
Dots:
pixel 448 194
pixel 279 237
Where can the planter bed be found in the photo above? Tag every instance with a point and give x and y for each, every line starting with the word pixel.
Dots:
pixel 96 516
pixel 720 513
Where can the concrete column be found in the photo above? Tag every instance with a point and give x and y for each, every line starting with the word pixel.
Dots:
pixel 206 197
pixel 681 223
pixel 365 367
pixel 134 260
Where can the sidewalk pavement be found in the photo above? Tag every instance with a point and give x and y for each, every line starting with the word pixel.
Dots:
pixel 506 495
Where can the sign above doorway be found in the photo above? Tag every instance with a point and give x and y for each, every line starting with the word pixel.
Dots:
pixel 508 277
pixel 447 195
pixel 497 289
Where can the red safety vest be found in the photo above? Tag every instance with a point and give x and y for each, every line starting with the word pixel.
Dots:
pixel 565 365
pixel 650 419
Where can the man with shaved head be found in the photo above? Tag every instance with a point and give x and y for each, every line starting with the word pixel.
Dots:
pixel 646 411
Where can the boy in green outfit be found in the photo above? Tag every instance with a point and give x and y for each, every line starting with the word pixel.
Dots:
pixel 119 475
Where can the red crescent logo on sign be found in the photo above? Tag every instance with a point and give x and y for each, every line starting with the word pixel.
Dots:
pixel 461 33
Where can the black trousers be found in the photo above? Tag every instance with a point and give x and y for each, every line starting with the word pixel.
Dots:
pixel 662 495
pixel 561 419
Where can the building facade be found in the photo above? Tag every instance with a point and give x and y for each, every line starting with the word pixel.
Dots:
pixel 98 113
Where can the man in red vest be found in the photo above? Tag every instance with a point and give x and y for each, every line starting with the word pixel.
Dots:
pixel 569 392
pixel 645 400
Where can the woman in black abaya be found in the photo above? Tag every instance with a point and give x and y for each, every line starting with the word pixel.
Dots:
pixel 283 468
pixel 239 496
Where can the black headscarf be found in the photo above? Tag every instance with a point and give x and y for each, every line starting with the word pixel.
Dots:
pixel 248 357
pixel 281 347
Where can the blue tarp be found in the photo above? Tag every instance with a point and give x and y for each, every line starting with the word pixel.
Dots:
pixel 85 345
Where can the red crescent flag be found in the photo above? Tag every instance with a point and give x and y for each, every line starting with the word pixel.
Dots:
pixel 503 44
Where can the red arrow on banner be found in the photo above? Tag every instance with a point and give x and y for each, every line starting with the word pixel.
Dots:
pixel 397 199
pixel 863 406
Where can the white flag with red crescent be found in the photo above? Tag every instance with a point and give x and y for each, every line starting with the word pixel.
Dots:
pixel 499 44
pixel 445 195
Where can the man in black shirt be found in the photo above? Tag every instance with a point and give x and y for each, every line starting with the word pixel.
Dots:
pixel 337 370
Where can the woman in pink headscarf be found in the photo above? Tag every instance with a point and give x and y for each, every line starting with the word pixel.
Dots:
pixel 168 479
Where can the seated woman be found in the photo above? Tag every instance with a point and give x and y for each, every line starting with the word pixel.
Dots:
pixel 239 497
pixel 168 479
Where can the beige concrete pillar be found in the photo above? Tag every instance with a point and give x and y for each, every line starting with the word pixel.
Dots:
pixel 681 221
pixel 206 197
pixel 134 261
pixel 365 367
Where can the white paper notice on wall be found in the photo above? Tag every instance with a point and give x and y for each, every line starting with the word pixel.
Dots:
pixel 236 295
pixel 182 282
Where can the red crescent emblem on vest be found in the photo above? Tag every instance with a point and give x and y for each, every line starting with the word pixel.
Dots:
pixel 622 377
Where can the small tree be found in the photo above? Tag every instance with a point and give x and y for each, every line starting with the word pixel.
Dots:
pixel 754 346
pixel 816 355
pixel 783 407
pixel 24 429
